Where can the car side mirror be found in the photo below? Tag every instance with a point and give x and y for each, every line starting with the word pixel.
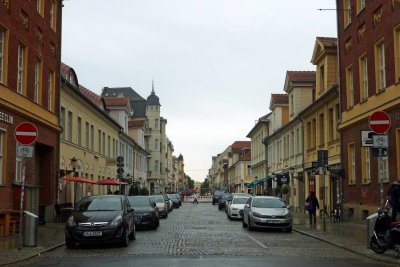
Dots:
pixel 247 206
pixel 288 206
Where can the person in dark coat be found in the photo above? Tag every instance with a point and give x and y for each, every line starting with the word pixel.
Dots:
pixel 312 205
pixel 393 197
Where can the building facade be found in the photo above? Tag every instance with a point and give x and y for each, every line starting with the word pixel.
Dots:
pixel 369 65
pixel 30 56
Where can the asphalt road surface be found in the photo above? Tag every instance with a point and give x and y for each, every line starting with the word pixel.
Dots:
pixel 201 235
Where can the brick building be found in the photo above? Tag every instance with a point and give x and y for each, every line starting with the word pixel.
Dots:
pixel 369 58
pixel 30 41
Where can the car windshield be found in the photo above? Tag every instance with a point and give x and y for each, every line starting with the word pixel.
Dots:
pixel 139 201
pixel 225 196
pixel 99 203
pixel 157 199
pixel 268 203
pixel 219 193
pixel 240 200
pixel 174 196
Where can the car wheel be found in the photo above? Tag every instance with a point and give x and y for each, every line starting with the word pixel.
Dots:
pixel 166 215
pixel 125 238
pixel 70 243
pixel 132 235
pixel 219 207
pixel 156 223
pixel 251 228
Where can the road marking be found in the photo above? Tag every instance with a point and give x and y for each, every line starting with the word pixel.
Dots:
pixel 256 241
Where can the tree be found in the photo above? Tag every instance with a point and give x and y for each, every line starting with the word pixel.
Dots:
pixel 190 182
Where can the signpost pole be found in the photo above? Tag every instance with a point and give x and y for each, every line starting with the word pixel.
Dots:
pixel 21 207
pixel 381 176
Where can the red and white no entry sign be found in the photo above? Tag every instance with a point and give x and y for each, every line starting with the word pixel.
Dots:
pixel 379 122
pixel 26 133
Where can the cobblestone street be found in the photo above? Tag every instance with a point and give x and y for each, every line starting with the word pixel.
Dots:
pixel 203 230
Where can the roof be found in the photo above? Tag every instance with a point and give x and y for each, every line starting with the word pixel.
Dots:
pixel 241 144
pixel 300 76
pixel 116 101
pixel 279 99
pixel 136 124
pixel 138 103
pixel 322 46
pixel 95 98
pixel 328 42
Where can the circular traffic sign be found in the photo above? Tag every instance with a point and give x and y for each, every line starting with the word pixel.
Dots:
pixel 26 133
pixel 379 122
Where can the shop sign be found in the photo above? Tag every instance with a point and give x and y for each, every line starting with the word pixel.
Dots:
pixel 4 117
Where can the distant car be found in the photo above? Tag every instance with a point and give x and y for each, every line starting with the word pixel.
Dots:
pixel 267 212
pixel 222 201
pixel 145 211
pixel 217 195
pixel 168 201
pixel 161 205
pixel 101 219
pixel 235 206
pixel 176 202
pixel 232 195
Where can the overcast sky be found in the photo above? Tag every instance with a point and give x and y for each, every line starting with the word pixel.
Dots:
pixel 214 63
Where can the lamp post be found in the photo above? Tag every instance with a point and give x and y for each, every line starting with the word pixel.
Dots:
pixel 74 165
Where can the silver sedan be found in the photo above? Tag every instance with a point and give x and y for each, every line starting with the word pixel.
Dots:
pixel 267 212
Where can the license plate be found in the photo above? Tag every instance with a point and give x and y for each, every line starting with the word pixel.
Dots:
pixel 272 221
pixel 93 233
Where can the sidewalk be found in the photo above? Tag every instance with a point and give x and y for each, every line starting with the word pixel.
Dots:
pixel 347 235
pixel 350 236
pixel 50 236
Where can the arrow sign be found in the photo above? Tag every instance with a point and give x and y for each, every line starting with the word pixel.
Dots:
pixel 379 122
pixel 26 133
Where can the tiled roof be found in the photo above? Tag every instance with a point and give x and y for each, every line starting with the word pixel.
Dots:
pixel 64 69
pixel 241 144
pixel 95 98
pixel 135 124
pixel 116 101
pixel 328 41
pixel 138 103
pixel 301 76
pixel 279 99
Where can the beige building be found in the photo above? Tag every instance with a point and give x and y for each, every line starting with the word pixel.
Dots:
pixel 320 126
pixel 90 137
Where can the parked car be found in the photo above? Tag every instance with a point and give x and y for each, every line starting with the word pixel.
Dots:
pixel 235 206
pixel 176 202
pixel 100 219
pixel 229 200
pixel 267 212
pixel 169 201
pixel 217 195
pixel 222 201
pixel 145 211
pixel 161 205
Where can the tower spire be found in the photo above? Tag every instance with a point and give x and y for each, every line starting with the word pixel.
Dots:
pixel 152 87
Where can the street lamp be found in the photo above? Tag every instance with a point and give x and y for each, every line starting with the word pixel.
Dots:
pixel 74 164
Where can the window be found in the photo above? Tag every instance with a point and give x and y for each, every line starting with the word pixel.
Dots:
pixel 314 133
pixel 385 168
pixel 53 14
pixel 366 164
pixel 62 122
pixel 69 126
pixel 321 79
pixel 18 169
pixel 352 163
pixel 91 137
pixel 292 103
pixel 39 7
pixel 298 138
pixel 21 71
pixel 360 5
pixel 2 54
pixel 396 52
pixel 156 144
pixel 309 144
pixel 50 91
pixel 364 78
pixel 109 146
pixel 99 141
pixel 156 169
pixel 331 125
pixel 347 12
pixel 103 141
pixel 350 87
pixel 1 156
pixel 156 124
pixel 37 81
pixel 380 66
pixel 87 132
pixel 79 131
pixel 292 144
pixel 321 129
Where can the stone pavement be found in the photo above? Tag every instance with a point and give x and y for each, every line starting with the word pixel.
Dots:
pixel 347 235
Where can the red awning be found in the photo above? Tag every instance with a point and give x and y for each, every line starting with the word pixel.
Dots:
pixel 79 179
pixel 110 181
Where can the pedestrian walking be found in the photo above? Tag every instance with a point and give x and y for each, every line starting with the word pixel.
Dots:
pixel 393 197
pixel 311 206
pixel 195 201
